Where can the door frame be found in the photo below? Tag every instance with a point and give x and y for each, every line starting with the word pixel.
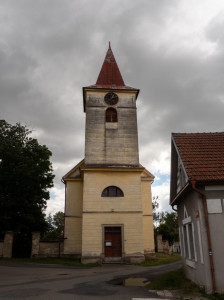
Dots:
pixel 122 238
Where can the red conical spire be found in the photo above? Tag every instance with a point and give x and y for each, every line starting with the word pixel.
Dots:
pixel 110 75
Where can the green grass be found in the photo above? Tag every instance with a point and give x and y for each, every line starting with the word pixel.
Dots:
pixel 161 259
pixel 59 261
pixel 176 280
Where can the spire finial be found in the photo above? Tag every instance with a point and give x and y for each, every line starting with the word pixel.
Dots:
pixel 109 44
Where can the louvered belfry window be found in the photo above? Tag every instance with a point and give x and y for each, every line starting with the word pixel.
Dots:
pixel 111 115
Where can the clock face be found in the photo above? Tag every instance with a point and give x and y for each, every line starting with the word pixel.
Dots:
pixel 111 98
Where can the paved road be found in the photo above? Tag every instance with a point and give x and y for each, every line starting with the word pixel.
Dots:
pixel 34 281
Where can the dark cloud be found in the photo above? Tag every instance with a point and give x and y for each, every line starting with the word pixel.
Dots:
pixel 50 49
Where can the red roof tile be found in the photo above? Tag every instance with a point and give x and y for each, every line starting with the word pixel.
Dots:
pixel 110 76
pixel 202 155
pixel 110 73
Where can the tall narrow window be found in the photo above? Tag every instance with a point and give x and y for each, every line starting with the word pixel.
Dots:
pixel 191 240
pixel 188 237
pixel 112 191
pixel 111 115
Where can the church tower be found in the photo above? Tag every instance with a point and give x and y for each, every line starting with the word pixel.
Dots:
pixel 108 205
pixel 111 119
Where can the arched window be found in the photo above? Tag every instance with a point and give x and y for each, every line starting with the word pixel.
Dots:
pixel 112 191
pixel 111 115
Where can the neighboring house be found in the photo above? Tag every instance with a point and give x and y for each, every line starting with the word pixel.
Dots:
pixel 108 204
pixel 197 189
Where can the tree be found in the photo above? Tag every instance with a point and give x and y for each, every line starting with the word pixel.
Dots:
pixel 55 225
pixel 165 223
pixel 155 205
pixel 25 178
pixel 168 227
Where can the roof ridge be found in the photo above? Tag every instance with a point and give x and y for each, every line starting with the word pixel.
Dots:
pixel 209 132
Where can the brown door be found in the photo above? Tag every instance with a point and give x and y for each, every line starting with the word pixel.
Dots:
pixel 112 242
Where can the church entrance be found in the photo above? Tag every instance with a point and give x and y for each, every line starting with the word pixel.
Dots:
pixel 112 244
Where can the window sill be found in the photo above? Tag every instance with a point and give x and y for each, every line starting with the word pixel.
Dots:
pixel 190 263
pixel 111 125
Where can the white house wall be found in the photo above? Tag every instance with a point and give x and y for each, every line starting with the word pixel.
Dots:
pixel 196 269
pixel 216 222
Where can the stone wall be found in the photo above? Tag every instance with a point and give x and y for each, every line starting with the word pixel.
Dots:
pixel 163 245
pixel 6 245
pixel 51 248
pixel 1 248
pixel 48 248
pixel 111 143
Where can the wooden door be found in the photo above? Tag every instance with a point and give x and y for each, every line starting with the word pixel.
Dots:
pixel 112 242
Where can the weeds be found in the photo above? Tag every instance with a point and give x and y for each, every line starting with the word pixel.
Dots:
pixel 161 259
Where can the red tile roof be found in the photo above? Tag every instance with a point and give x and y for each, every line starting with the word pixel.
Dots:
pixel 110 76
pixel 202 155
pixel 110 73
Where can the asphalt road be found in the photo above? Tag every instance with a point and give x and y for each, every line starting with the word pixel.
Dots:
pixel 35 281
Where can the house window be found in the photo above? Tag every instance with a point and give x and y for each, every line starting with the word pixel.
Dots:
pixel 188 238
pixel 111 115
pixel 191 241
pixel 181 178
pixel 112 191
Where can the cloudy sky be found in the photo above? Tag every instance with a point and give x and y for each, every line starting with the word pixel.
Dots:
pixel 172 50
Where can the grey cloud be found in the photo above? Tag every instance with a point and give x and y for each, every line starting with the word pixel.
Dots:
pixel 214 30
pixel 50 49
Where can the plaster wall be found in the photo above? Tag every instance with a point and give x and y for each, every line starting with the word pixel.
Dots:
pixel 73 217
pixel 74 198
pixel 198 269
pixel 125 211
pixel 111 143
pixel 50 249
pixel 216 222
pixel 96 181
pixel 148 234
pixel 93 233
pixel 73 236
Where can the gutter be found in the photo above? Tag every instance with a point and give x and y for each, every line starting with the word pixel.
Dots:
pixel 174 208
pixel 193 183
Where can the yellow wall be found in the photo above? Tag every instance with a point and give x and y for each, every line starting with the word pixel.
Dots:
pixel 87 212
pixel 73 235
pixel 95 182
pixel 126 211
pixel 93 232
pixel 148 234
pixel 73 217
pixel 74 198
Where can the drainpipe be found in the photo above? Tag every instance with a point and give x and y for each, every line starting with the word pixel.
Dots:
pixel 208 235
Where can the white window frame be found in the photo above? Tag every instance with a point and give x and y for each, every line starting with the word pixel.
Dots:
pixel 190 244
